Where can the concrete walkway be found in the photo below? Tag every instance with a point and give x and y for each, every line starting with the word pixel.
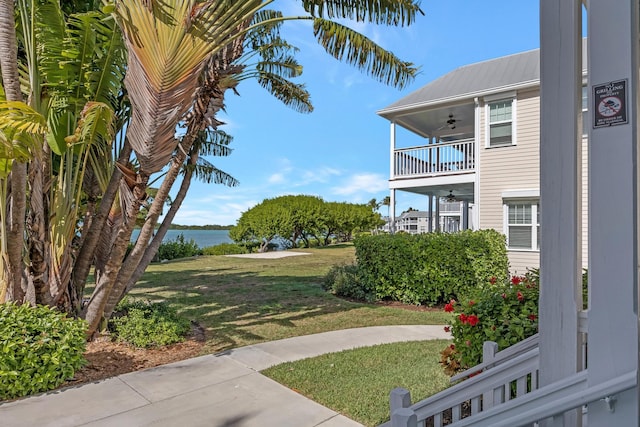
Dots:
pixel 220 390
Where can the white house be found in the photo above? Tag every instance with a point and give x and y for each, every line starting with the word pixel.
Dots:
pixel 480 127
pixel 582 367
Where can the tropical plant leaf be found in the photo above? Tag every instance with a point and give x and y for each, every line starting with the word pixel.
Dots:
pixel 206 172
pixel 21 118
pixel 386 12
pixel 348 45
pixel 291 94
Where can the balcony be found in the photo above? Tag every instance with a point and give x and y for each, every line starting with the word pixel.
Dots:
pixel 441 159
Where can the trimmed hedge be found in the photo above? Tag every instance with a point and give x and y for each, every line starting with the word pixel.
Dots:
pixel 225 249
pixel 430 268
pixel 40 348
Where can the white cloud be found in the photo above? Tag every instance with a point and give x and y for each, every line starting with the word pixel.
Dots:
pixel 368 183
pixel 276 178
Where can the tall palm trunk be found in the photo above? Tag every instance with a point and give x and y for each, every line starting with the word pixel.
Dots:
pixel 18 177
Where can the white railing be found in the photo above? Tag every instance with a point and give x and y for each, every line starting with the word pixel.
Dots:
pixel 507 376
pixel 435 159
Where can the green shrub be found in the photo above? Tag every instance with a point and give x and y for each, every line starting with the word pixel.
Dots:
pixel 344 281
pixel 178 248
pixel 225 249
pixel 146 324
pixel 40 348
pixel 430 268
pixel 504 312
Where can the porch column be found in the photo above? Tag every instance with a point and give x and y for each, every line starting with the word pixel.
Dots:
pixel 613 181
pixel 437 203
pixel 430 213
pixel 392 211
pixel 560 195
pixel 465 215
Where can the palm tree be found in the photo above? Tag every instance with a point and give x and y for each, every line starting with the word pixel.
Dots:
pixel 182 56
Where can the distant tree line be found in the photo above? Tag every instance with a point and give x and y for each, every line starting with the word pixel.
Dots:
pixel 200 227
pixel 301 220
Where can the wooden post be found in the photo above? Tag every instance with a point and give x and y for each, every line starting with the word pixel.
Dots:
pixel 404 417
pixel 613 181
pixel 560 193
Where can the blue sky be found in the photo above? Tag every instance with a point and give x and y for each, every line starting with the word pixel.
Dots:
pixel 340 152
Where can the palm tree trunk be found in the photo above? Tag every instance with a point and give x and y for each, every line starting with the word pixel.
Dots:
pixel 87 251
pixel 153 247
pixel 105 284
pixel 18 178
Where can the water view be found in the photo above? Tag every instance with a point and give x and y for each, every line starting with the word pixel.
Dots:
pixel 203 238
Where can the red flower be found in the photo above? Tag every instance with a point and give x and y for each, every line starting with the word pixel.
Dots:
pixel 468 343
pixel 520 297
pixel 473 320
pixel 463 318
pixel 452 346
pixel 447 328
pixel 448 307
pixel 504 296
pixel 493 280
pixel 516 280
pixel 532 317
pixel 471 303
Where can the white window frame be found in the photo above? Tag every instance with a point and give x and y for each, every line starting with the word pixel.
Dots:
pixel 535 224
pixel 487 114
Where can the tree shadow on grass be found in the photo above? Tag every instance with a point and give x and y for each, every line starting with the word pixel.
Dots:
pixel 241 307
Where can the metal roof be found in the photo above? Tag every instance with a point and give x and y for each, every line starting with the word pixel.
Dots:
pixel 482 78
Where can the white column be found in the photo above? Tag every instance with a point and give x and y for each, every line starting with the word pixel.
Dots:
pixel 465 215
pixel 613 181
pixel 430 213
pixel 560 194
pixel 392 154
pixel 392 212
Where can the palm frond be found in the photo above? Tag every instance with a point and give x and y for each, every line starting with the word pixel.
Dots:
pixel 386 12
pixel 206 172
pixel 345 44
pixel 96 125
pixel 213 143
pixel 291 94
pixel 21 118
pixel 285 66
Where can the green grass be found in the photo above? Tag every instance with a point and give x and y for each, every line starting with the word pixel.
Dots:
pixel 356 383
pixel 242 301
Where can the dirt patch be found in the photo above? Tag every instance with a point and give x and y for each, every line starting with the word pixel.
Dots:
pixel 108 359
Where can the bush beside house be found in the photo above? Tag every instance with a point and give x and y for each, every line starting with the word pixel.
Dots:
pixel 430 268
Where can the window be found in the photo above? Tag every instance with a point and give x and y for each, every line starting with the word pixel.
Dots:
pixel 523 225
pixel 500 131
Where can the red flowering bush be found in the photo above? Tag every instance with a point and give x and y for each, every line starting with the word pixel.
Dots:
pixel 502 312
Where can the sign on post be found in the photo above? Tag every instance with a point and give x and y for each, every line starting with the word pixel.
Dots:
pixel 610 104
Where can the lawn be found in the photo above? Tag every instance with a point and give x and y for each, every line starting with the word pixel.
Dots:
pixel 242 301
pixel 356 383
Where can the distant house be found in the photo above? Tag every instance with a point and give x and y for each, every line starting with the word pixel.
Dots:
pixel 480 127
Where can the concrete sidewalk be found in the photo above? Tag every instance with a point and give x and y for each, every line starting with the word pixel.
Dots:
pixel 220 390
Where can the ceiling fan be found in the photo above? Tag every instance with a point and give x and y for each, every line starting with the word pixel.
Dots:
pixel 450 197
pixel 450 123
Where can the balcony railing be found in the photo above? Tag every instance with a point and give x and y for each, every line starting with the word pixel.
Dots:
pixel 435 159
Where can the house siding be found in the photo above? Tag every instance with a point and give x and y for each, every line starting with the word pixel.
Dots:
pixel 511 168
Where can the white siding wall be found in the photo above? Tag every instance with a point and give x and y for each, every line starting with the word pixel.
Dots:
pixel 511 168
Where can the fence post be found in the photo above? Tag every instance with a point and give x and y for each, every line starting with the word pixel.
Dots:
pixel 399 398
pixel 404 417
pixel 489 350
